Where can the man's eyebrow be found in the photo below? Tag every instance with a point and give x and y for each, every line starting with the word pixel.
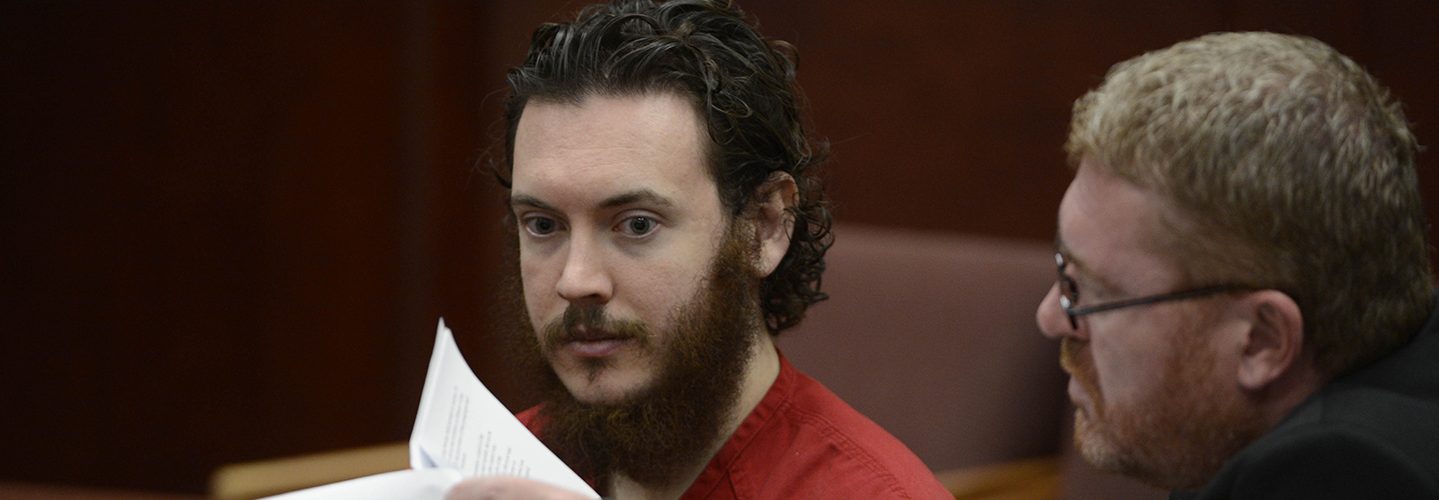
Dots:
pixel 619 200
pixel 1072 264
pixel 636 196
pixel 527 200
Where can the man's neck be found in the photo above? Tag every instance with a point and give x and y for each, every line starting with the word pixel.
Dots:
pixel 760 373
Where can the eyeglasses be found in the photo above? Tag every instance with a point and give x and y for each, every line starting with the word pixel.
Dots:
pixel 1069 296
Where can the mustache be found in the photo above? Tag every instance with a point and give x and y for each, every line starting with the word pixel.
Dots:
pixel 590 322
pixel 1080 367
pixel 1067 355
pixel 1069 358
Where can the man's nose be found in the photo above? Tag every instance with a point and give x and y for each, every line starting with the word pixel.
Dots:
pixel 585 277
pixel 1052 320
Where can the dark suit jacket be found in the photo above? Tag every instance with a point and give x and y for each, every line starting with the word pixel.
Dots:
pixel 1373 433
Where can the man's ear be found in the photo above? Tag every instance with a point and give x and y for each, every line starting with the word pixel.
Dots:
pixel 773 223
pixel 1274 344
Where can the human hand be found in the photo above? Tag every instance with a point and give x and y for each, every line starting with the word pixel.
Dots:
pixel 502 487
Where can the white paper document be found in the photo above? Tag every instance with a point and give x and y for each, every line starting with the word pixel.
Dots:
pixel 461 430
pixel 409 483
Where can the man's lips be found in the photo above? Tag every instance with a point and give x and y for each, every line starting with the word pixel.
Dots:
pixel 583 333
pixel 593 343
pixel 595 348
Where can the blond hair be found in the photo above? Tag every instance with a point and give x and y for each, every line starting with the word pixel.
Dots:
pixel 1287 166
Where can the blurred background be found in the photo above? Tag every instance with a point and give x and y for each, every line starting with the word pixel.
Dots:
pixel 229 227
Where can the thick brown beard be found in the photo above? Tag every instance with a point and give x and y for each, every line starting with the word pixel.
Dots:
pixel 660 433
pixel 1182 436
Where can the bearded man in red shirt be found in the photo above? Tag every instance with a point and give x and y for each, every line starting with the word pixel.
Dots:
pixel 669 224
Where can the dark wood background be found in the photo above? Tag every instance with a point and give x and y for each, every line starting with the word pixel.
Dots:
pixel 229 227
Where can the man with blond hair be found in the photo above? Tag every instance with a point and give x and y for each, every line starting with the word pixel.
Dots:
pixel 1244 301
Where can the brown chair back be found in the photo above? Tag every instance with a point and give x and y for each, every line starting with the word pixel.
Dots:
pixel 933 337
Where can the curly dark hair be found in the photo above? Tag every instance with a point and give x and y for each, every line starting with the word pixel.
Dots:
pixel 743 86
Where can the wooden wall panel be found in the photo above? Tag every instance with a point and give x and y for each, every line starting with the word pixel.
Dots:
pixel 229 227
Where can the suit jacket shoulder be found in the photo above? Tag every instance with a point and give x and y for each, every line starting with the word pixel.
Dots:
pixel 1371 434
pixel 1324 460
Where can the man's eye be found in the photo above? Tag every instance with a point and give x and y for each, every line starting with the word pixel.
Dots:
pixel 637 226
pixel 541 226
pixel 1071 288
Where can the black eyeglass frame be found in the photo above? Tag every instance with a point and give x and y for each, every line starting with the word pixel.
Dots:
pixel 1069 295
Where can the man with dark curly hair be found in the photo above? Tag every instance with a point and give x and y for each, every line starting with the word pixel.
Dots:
pixel 669 223
pixel 1244 300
